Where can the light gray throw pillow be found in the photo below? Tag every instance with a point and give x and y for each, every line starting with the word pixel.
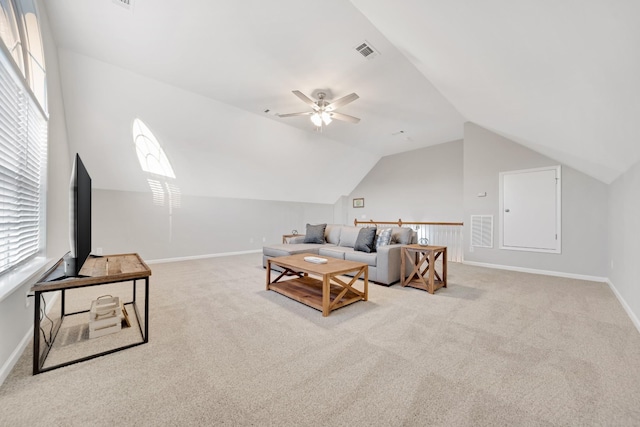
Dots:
pixel 348 236
pixel 401 235
pixel 332 234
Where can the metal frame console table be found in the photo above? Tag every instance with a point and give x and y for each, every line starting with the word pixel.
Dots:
pixel 95 271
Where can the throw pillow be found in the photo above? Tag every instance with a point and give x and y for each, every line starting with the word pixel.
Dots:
pixel 315 233
pixel 366 241
pixel 401 235
pixel 384 238
pixel 332 234
pixel 348 236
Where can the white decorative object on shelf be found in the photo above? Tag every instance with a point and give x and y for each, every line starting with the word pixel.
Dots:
pixel 423 241
pixel 105 316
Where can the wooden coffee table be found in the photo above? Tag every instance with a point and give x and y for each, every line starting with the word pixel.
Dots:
pixel 326 294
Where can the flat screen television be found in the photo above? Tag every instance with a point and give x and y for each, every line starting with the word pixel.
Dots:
pixel 79 219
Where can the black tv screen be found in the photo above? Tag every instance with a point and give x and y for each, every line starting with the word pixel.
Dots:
pixel 80 216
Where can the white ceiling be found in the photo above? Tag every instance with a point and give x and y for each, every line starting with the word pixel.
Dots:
pixel 559 77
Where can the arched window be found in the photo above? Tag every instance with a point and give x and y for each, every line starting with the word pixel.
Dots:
pixel 20 32
pixel 35 52
pixel 9 32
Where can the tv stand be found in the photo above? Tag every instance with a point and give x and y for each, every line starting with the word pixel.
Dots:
pixel 95 271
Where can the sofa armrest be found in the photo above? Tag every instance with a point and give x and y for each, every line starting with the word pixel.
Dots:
pixel 388 264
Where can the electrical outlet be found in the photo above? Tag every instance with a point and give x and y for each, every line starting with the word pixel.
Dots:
pixel 471 249
pixel 98 251
pixel 251 240
pixel 264 240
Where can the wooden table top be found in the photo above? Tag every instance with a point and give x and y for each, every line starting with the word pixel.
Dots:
pixel 417 247
pixel 333 265
pixel 95 270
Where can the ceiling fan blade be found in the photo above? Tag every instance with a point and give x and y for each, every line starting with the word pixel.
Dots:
pixel 342 101
pixel 306 99
pixel 344 117
pixel 308 113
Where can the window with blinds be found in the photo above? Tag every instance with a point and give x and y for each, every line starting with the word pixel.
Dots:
pixel 23 130
pixel 23 144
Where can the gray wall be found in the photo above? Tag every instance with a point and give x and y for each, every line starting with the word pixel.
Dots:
pixel 624 245
pixel 418 185
pixel 131 222
pixel 584 207
pixel 16 319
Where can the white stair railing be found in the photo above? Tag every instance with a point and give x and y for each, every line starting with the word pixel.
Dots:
pixel 447 234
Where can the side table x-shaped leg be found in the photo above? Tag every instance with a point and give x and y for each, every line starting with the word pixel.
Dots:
pixel 423 264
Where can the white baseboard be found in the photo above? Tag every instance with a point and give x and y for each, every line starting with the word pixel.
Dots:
pixel 536 271
pixel 17 352
pixel 630 313
pixel 189 258
pixel 624 304
pixel 15 356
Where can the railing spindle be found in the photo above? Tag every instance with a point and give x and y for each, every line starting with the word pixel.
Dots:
pixel 447 234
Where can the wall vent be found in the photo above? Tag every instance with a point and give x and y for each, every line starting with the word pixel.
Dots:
pixel 482 231
pixel 127 4
pixel 365 49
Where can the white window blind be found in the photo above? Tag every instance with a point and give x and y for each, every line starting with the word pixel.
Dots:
pixel 23 133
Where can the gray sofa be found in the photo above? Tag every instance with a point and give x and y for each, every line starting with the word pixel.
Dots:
pixel 339 242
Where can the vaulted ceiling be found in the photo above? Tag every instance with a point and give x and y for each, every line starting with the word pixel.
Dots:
pixel 209 77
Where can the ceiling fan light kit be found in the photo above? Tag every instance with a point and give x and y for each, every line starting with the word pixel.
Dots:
pixel 319 118
pixel 324 112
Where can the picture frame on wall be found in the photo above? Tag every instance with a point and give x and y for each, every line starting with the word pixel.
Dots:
pixel 358 203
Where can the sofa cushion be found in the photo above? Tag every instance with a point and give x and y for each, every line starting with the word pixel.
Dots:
pixel 384 237
pixel 290 249
pixel 348 236
pixel 315 233
pixel 367 258
pixel 401 235
pixel 334 251
pixel 366 241
pixel 332 234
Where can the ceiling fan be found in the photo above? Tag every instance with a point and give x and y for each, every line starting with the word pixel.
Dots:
pixel 323 110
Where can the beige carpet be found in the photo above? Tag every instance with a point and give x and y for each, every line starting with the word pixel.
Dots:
pixel 495 348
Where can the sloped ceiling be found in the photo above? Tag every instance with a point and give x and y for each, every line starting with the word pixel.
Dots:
pixel 558 77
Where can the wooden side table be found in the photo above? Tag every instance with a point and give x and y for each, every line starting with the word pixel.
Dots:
pixel 423 261
pixel 286 237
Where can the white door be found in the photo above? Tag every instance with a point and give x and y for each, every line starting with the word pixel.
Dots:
pixel 531 209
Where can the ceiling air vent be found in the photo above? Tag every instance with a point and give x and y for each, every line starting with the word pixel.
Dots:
pixel 365 49
pixel 127 4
